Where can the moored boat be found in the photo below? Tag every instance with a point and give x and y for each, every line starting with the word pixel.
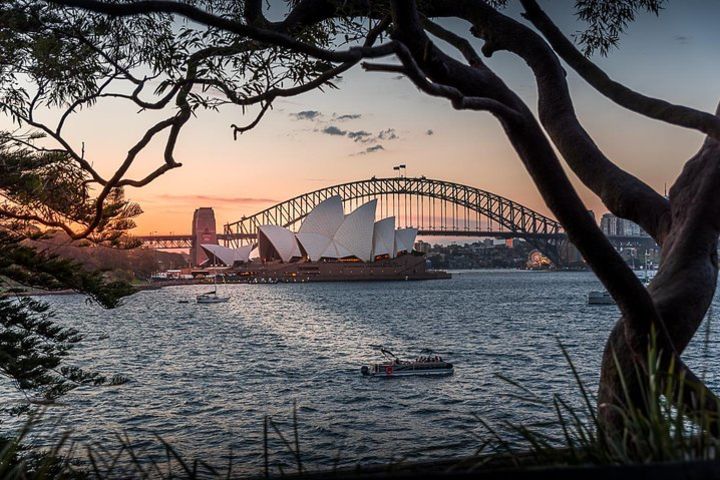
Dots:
pixel 597 297
pixel 211 296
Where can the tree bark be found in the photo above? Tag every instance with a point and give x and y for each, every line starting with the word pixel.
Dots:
pixel 683 288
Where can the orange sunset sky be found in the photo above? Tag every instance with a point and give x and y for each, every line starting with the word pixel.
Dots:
pixel 674 57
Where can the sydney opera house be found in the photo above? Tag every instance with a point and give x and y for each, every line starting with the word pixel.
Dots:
pixel 329 245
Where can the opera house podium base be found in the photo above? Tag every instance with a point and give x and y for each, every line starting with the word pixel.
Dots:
pixel 404 267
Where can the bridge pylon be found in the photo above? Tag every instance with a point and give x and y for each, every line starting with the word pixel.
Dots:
pixel 204 231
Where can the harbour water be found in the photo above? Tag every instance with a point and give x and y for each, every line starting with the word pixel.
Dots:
pixel 204 376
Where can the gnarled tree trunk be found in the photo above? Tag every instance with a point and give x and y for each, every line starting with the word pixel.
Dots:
pixel 682 290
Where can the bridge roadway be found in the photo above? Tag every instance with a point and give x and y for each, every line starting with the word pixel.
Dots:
pixel 176 242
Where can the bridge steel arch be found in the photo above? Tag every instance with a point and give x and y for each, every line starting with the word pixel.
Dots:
pixel 512 218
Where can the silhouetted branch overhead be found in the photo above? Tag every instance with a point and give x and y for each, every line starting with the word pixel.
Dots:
pixel 264 35
pixel 461 43
pixel 457 99
pixel 651 107
pixel 186 65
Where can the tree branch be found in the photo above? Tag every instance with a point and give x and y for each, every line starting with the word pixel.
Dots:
pixel 84 164
pixel 4 212
pixel 624 194
pixel 462 44
pixel 259 34
pixel 540 161
pixel 651 107
pixel 270 95
pixel 240 130
pixel 126 182
pixel 77 103
pixel 135 97
pixel 253 13
pixel 459 101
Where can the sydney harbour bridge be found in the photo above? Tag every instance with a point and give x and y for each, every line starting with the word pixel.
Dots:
pixel 434 207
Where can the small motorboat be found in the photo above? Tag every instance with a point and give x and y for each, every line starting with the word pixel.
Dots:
pixel 394 367
pixel 600 297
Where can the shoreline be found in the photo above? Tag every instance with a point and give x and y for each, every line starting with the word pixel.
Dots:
pixel 51 293
pixel 157 285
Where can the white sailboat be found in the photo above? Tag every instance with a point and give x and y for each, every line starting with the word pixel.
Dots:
pixel 211 296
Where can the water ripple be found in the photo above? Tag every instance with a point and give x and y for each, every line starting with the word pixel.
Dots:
pixel 204 376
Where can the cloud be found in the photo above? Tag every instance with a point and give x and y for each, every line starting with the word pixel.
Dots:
pixel 306 115
pixel 388 134
pixel 195 199
pixel 333 130
pixel 429 132
pixel 349 116
pixel 360 136
pixel 369 150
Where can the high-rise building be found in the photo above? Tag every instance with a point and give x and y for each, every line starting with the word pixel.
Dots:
pixel 616 226
pixel 608 224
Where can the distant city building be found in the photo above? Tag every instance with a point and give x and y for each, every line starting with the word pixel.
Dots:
pixel 423 247
pixel 614 226
pixel 570 255
pixel 483 254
